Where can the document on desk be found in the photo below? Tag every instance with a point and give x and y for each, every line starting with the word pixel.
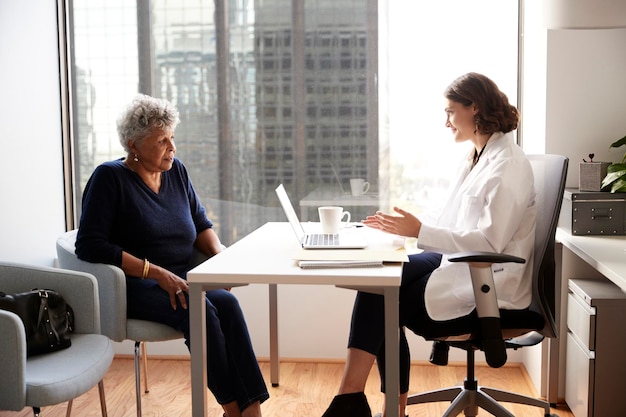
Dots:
pixel 339 264
pixel 382 248
pixel 393 255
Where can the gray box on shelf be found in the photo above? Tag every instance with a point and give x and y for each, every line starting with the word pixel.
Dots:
pixel 593 213
pixel 591 175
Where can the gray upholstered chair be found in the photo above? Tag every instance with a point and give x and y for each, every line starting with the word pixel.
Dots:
pixel 112 285
pixel 52 378
pixel 496 330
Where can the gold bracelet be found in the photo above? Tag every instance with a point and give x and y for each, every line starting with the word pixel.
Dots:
pixel 146 269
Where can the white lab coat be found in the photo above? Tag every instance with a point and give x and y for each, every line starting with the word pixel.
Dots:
pixel 491 208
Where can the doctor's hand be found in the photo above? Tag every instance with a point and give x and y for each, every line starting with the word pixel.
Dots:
pixel 403 223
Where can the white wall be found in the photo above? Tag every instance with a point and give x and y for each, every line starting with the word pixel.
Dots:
pixel 31 189
pixel 586 94
pixel 574 90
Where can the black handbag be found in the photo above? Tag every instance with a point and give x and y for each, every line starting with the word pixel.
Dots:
pixel 48 319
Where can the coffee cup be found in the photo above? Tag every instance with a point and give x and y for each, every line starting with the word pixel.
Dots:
pixel 359 186
pixel 331 218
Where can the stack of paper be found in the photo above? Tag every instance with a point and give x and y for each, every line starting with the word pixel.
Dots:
pixel 339 264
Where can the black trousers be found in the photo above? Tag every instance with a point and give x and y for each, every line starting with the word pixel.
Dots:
pixel 367 330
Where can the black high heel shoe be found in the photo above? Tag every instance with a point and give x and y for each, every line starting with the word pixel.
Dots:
pixel 349 405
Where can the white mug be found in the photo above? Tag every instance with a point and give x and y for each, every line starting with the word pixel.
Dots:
pixel 359 186
pixel 331 218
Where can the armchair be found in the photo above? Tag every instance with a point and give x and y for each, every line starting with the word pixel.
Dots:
pixel 115 325
pixel 63 375
pixel 497 330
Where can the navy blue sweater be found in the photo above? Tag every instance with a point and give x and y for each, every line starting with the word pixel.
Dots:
pixel 121 213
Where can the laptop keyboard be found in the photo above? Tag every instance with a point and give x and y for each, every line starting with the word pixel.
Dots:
pixel 323 239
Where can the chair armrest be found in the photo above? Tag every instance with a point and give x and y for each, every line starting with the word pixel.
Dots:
pixel 487 301
pixel 13 362
pixel 482 278
pixel 198 257
pixel 111 286
pixel 490 257
pixel 79 289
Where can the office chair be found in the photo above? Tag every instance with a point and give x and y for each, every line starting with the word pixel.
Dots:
pixel 115 325
pixel 496 330
pixel 60 376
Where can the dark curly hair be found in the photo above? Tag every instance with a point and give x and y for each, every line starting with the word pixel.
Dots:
pixel 495 113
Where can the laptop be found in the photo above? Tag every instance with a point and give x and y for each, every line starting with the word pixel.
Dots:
pixel 316 240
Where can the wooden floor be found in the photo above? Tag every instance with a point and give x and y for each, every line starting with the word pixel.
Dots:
pixel 306 389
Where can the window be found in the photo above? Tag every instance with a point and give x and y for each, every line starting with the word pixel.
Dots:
pixel 430 44
pixel 292 97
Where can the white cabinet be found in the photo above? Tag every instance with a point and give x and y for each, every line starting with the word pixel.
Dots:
pixel 595 374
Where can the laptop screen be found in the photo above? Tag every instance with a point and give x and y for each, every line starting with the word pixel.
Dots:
pixel 292 217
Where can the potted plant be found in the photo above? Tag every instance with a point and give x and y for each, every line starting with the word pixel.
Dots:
pixel 615 179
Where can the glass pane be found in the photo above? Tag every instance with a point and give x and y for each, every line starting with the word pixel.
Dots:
pixel 287 91
pixel 430 44
pixel 105 76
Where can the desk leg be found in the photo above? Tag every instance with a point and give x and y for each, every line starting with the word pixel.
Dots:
pixel 392 348
pixel 197 317
pixel 274 355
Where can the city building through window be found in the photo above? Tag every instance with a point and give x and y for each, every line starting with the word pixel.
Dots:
pixel 308 93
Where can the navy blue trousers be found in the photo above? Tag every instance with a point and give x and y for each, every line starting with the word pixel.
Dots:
pixel 367 330
pixel 232 367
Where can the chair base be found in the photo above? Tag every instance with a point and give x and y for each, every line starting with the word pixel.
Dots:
pixel 470 397
pixel 140 360
pixel 137 356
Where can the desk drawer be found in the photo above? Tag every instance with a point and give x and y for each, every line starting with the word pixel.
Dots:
pixel 580 365
pixel 581 320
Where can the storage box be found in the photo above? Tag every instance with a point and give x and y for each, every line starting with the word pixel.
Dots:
pixel 593 213
pixel 591 175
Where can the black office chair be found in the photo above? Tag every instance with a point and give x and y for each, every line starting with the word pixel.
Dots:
pixel 497 330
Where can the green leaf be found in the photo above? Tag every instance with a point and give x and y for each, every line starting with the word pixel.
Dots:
pixel 619 143
pixel 616 168
pixel 615 172
pixel 619 186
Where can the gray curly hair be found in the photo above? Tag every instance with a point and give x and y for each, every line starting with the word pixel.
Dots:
pixel 142 116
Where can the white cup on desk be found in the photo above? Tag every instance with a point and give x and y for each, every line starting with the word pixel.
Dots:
pixel 331 218
pixel 359 186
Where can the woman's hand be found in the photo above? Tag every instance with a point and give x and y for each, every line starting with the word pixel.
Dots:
pixel 402 224
pixel 175 286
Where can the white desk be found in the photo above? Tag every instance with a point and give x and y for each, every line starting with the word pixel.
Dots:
pixel 266 257
pixel 332 196
pixel 602 257
pixel 606 254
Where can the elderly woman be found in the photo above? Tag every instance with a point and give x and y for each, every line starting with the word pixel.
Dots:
pixel 141 213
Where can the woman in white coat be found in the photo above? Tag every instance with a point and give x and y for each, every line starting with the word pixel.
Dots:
pixel 491 208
